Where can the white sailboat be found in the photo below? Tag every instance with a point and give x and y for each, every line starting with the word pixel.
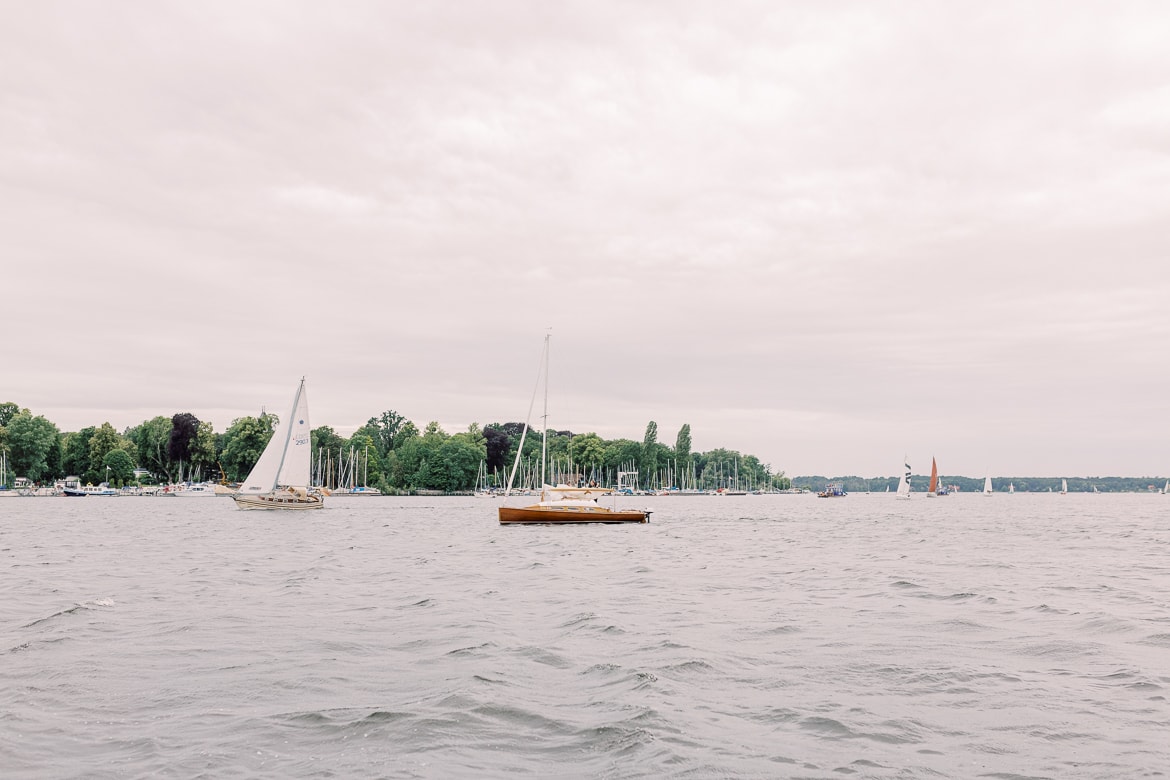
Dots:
pixel 987 486
pixel 280 478
pixel 904 483
pixel 1011 487
pixel 1166 489
pixel 1064 487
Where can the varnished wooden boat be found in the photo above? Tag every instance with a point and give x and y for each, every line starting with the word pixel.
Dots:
pixel 562 515
pixel 564 504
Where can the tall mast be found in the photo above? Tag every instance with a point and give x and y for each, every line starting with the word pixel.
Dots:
pixel 544 427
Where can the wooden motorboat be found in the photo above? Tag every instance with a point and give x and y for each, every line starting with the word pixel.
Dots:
pixel 563 504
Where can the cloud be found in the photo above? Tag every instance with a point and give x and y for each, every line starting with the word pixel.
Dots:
pixel 817 233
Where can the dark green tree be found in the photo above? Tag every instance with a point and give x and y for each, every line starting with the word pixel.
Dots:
pixel 184 431
pixel 150 440
pixel 31 442
pixel 682 446
pixel 497 445
pixel 75 452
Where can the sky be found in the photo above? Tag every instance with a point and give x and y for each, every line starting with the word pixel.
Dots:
pixel 827 234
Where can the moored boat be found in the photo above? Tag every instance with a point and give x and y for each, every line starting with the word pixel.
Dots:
pixel 562 504
pixel 832 491
pixel 196 490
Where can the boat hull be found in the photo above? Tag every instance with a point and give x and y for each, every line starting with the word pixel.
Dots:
pixel 538 515
pixel 280 501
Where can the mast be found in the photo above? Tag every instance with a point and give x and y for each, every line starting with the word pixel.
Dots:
pixel 518 463
pixel 544 426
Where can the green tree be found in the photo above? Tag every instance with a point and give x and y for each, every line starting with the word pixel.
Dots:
pixel 649 461
pixel 104 440
pixel 150 441
pixel 120 465
pixel 243 443
pixel 457 463
pixel 202 451
pixel 31 442
pixel 8 410
pixel 75 452
pixel 367 461
pixel 384 430
pixel 622 454
pixel 588 451
pixel 682 446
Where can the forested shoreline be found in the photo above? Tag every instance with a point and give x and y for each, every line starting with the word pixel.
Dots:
pixel 389 452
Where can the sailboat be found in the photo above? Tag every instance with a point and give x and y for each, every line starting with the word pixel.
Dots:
pixel 904 483
pixel 561 504
pixel 280 478
pixel 1064 487
pixel 932 488
pixel 481 483
pixel 987 486
pixel 1166 489
pixel 1011 487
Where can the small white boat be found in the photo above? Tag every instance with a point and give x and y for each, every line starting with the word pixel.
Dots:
pixel 987 486
pixel 102 489
pixel 362 490
pixel 197 490
pixel 1064 487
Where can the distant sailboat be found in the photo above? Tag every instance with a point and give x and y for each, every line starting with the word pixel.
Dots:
pixel 1064 487
pixel 904 483
pixel 1166 489
pixel 1011 487
pixel 987 486
pixel 932 488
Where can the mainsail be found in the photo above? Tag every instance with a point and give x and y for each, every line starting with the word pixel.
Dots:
pixel 286 459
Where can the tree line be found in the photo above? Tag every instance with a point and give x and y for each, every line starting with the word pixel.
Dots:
pixel 389 452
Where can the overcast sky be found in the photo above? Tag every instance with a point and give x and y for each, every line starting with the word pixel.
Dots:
pixel 828 234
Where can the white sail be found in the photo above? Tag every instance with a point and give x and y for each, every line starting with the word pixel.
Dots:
pixel 987 486
pixel 1063 486
pixel 286 459
pixel 904 482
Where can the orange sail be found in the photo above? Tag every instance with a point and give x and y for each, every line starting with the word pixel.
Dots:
pixel 933 476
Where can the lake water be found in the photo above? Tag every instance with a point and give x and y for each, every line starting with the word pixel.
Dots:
pixel 1016 636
